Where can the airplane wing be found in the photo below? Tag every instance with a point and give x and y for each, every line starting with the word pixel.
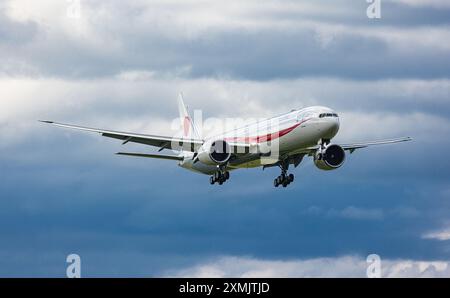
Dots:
pixel 297 156
pixel 159 156
pixel 354 146
pixel 163 142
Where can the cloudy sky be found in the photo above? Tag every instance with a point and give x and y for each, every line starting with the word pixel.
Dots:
pixel 120 66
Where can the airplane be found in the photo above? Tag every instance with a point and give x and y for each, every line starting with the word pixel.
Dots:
pixel 279 141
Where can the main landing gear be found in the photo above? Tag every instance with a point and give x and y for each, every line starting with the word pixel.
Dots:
pixel 284 179
pixel 221 176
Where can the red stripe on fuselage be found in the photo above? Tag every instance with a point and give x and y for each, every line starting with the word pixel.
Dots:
pixel 267 137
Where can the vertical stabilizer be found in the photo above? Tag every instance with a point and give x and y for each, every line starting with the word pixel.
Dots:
pixel 189 130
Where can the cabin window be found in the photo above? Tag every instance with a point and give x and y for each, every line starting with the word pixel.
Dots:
pixel 323 115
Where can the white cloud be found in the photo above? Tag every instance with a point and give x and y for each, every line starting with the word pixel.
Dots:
pixel 385 125
pixel 141 101
pixel 441 235
pixel 136 75
pixel 345 266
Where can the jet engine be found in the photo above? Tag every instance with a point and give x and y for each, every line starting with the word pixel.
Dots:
pixel 331 158
pixel 214 153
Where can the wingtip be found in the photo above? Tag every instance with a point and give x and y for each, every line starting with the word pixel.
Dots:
pixel 46 121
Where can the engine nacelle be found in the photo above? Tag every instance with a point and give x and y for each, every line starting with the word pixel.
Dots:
pixel 216 152
pixel 331 158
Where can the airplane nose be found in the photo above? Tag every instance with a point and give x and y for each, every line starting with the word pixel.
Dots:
pixel 331 128
pixel 335 125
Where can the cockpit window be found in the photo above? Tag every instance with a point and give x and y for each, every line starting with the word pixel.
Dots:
pixel 323 115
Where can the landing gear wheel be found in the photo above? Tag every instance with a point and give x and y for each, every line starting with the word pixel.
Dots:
pixel 291 178
pixel 279 179
pixel 275 182
pixel 285 183
pixel 220 176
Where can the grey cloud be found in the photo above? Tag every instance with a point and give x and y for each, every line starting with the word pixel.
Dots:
pixel 353 13
pixel 64 192
pixel 126 41
pixel 245 55
pixel 15 33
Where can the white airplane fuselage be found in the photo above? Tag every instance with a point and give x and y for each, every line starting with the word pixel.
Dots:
pixel 293 132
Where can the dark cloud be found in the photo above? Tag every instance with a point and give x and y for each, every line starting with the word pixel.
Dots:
pixel 246 55
pixel 125 42
pixel 132 212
